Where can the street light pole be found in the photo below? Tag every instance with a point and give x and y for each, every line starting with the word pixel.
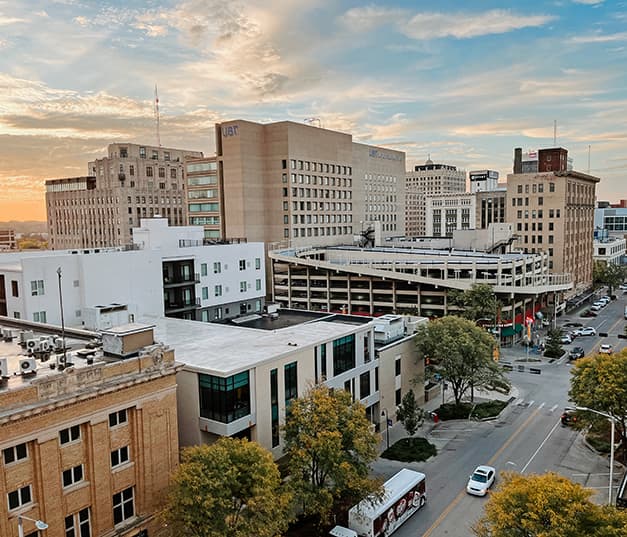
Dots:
pixel 62 319
pixel 39 524
pixel 612 420
pixel 387 426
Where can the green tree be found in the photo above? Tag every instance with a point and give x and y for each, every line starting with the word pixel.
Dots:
pixel 546 505
pixel 459 352
pixel 478 302
pixel 409 413
pixel 609 274
pixel 329 443
pixel 553 347
pixel 231 488
pixel 600 382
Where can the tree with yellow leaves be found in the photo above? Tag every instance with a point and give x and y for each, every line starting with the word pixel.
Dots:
pixel 329 443
pixel 228 489
pixel 546 505
pixel 600 382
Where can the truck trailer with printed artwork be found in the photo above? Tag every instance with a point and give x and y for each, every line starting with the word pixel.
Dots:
pixel 403 494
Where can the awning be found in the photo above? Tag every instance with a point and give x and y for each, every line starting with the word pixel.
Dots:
pixel 510 330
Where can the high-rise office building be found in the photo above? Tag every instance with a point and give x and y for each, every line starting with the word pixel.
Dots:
pixel 429 179
pixel 100 209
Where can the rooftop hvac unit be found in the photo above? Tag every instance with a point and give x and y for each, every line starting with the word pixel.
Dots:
pixel 32 345
pixel 25 335
pixel 7 334
pixel 4 368
pixel 46 345
pixel 28 366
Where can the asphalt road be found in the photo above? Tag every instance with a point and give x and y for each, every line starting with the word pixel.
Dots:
pixel 528 438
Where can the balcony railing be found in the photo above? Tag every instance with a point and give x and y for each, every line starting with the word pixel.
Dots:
pixel 182 279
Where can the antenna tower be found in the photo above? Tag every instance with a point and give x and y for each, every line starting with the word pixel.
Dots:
pixel 156 111
pixel 555 133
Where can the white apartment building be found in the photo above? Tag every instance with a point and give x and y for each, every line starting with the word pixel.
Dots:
pixel 429 179
pixel 609 250
pixel 446 213
pixel 169 271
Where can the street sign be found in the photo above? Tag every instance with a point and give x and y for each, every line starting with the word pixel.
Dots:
pixel 389 423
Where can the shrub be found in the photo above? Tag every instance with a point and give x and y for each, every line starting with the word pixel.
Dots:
pixel 411 449
pixel 487 409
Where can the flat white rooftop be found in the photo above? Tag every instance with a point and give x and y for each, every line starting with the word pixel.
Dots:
pixel 224 350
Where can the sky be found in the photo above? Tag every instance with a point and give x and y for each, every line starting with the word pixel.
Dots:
pixel 464 82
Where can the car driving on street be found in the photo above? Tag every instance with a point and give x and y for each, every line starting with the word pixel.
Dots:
pixel 586 331
pixel 576 353
pixel 606 348
pixel 481 480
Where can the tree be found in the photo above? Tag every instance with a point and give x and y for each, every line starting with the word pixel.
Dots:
pixel 478 302
pixel 409 413
pixel 329 443
pixel 609 274
pixel 459 352
pixel 230 488
pixel 600 382
pixel 546 505
pixel 553 347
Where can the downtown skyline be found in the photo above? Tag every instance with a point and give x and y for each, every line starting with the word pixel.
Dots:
pixel 462 83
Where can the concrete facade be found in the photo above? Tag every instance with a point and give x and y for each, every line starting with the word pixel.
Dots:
pixel 75 442
pixel 430 179
pixel 100 209
pixel 290 181
pixel 610 251
pixel 446 213
pixel 554 212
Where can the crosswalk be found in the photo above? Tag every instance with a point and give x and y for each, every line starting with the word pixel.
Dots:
pixel 521 402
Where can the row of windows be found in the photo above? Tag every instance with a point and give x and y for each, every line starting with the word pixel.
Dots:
pixel 217 289
pixel 149 171
pixel 324 218
pixel 322 231
pixel 217 266
pixel 519 201
pixel 164 200
pixel 535 187
pixel 324 193
pixel 322 206
pixel 322 180
pixel 324 167
pixel 553 213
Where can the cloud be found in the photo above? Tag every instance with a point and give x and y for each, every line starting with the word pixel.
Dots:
pixel 6 21
pixel 588 2
pixel 435 25
pixel 599 38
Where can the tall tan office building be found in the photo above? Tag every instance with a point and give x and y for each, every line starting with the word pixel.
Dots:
pixel 291 181
pixel 100 209
pixel 428 179
pixel 554 211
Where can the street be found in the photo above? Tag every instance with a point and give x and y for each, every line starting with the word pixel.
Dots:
pixel 527 438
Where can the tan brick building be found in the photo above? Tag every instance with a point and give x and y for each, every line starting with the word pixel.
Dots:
pixel 100 209
pixel 554 212
pixel 89 448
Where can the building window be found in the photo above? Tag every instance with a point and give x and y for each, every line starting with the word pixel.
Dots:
pixel 257 263
pixel 123 506
pixel 142 152
pixel 291 382
pixel 224 399
pixel 20 497
pixel 243 287
pixel 540 200
pixel 77 525
pixel 258 285
pixel 364 385
pixel 71 434
pixel 162 172
pixel 217 290
pixel 37 288
pixel 14 288
pixel 398 397
pixel 274 406
pixel 242 264
pixel 205 293
pixel 119 456
pixel 172 173
pixel 551 187
pixel 343 354
pixel 397 367
pixel 118 418
pixel 217 267
pixel 148 171
pixel 72 476
pixel 376 379
pixel 203 269
pixel 39 316
pixel 218 313
pixel 322 356
pixel 131 170
pixel 15 453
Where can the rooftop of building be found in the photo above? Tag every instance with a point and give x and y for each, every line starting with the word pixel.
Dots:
pixel 227 349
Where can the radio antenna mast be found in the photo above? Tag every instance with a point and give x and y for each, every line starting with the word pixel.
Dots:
pixel 156 111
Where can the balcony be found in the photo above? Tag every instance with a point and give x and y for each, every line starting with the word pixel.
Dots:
pixel 181 306
pixel 180 280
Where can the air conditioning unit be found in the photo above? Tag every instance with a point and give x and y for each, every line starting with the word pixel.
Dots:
pixel 28 366
pixel 45 346
pixel 7 334
pixel 4 368
pixel 26 335
pixel 32 345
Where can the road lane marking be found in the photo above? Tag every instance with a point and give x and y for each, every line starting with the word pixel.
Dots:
pixel 530 403
pixel 553 408
pixel 541 406
pixel 539 448
pixel 462 493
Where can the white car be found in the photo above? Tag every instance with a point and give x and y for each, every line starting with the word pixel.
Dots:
pixel 606 348
pixel 596 306
pixel 566 340
pixel 587 331
pixel 481 480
